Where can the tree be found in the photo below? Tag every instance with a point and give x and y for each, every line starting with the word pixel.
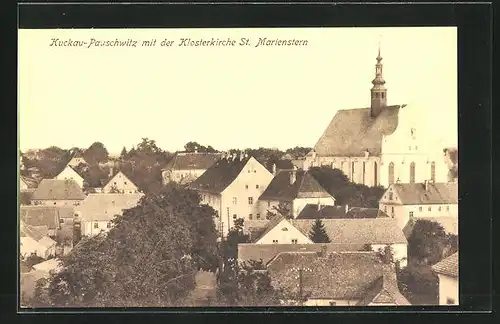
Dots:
pixel 298 151
pixel 283 209
pixel 123 153
pixel 96 153
pixel 318 233
pixel 196 147
pixel 427 242
pixel 148 258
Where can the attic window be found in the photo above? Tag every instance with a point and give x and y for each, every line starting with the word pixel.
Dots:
pixel 284 229
pixel 125 183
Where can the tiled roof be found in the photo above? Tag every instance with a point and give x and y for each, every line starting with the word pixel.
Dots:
pixel 30 182
pixel 310 211
pixel 357 231
pixel 40 216
pixel 266 252
pixel 50 189
pixel 345 275
pixel 192 161
pixel 304 186
pixel 437 193
pixel 29 231
pixel 448 266
pixel 449 224
pixel 351 132
pixel 104 207
pixel 220 175
pixel 384 291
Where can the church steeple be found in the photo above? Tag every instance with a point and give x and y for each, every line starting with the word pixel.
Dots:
pixel 378 91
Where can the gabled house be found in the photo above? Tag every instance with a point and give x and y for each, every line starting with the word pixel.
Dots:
pixel 447 272
pixel 76 160
pixel 69 173
pixel 98 210
pixel 35 242
pixel 336 279
pixel 428 200
pixel 295 189
pixel 232 187
pixel 187 167
pixel 364 233
pixel 53 192
pixel 120 183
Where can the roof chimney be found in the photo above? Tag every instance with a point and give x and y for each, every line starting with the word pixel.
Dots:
pixel 293 176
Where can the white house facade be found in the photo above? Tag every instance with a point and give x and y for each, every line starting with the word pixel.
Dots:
pixel 69 173
pixel 447 271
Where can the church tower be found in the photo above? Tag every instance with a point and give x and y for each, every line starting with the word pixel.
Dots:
pixel 378 91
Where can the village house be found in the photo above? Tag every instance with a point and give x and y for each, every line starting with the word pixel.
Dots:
pixel 34 242
pixel 428 200
pixel 336 279
pixel 232 187
pixel 98 210
pixel 76 160
pixel 380 144
pixel 294 189
pixel 187 167
pixel 69 173
pixel 119 183
pixel 58 193
pixel 447 272
pixel 359 234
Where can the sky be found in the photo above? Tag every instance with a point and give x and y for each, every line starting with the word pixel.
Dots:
pixel 226 97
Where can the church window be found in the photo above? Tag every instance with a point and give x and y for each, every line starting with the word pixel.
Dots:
pixel 375 169
pixel 352 171
pixel 412 172
pixel 392 211
pixel 391 173
pixel 433 171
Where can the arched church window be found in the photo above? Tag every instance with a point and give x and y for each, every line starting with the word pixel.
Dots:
pixel 433 171
pixel 375 169
pixel 391 173
pixel 412 172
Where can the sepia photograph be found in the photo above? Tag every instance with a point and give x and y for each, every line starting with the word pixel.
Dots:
pixel 238 167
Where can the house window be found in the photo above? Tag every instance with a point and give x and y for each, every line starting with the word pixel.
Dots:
pixel 115 183
pixel 256 186
pixel 258 216
pixel 246 186
pixel 61 220
pixel 254 171
pixel 447 208
pixel 412 172
pixel 294 241
pixel 450 301
pixel 410 214
pixel 234 216
pixel 390 195
pixel 250 200
pixel 96 225
pixel 391 173
pixel 250 216
pixel 420 209
pixel 332 303
pixel 430 208
pixel 275 241
pixel 439 208
pixel 433 171
pixel 392 211
pixel 125 183
pixel 235 200
pixel 108 225
pixel 385 209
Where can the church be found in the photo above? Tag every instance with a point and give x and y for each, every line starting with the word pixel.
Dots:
pixel 381 144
